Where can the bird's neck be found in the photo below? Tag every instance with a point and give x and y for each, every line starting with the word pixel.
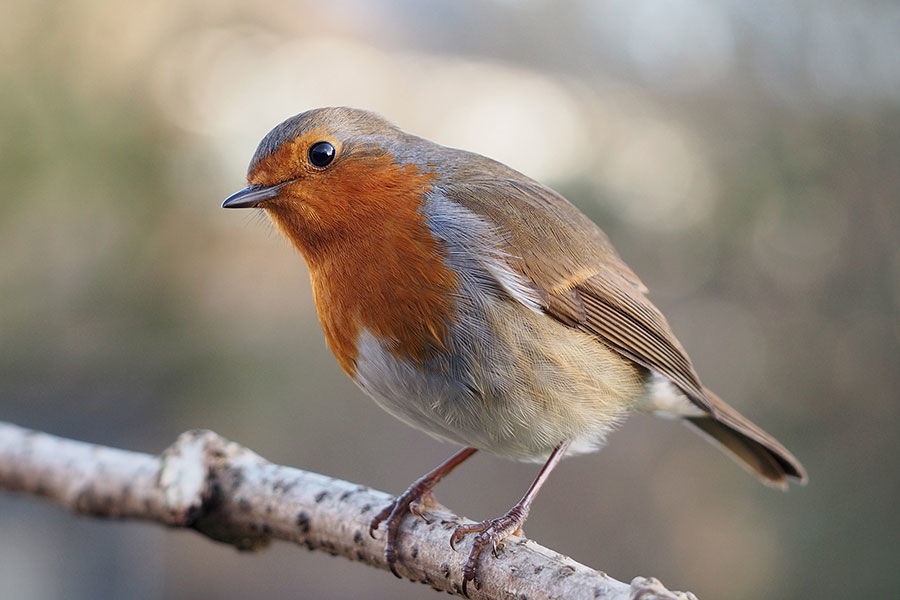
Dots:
pixel 384 273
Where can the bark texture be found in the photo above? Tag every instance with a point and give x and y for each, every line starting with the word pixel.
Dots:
pixel 232 495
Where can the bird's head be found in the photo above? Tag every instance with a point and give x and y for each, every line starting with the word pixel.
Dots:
pixel 325 173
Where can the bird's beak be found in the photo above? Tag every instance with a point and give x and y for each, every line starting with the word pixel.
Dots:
pixel 251 196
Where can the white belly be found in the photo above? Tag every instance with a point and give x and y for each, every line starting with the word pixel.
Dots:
pixel 516 384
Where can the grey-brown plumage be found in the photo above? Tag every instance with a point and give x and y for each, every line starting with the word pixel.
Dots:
pixel 583 283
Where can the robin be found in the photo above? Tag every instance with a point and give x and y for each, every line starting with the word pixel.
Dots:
pixel 478 305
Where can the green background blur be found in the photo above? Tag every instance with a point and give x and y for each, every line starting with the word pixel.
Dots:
pixel 743 157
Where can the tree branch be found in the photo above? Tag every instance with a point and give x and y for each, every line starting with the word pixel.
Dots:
pixel 232 495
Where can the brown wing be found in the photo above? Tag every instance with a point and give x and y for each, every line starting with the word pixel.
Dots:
pixel 625 320
pixel 578 274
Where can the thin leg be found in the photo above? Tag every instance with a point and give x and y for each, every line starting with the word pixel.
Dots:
pixel 493 532
pixel 419 491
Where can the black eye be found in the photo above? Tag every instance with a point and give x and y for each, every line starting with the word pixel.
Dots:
pixel 321 154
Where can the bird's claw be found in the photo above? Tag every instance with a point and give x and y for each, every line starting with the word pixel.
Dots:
pixel 491 532
pixel 421 505
pixel 415 500
pixel 380 517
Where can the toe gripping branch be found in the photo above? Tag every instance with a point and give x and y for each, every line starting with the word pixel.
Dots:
pixel 417 496
pixel 490 533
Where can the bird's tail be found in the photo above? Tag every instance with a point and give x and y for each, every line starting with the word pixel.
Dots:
pixel 754 449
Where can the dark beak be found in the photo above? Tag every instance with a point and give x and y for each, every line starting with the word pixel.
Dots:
pixel 250 197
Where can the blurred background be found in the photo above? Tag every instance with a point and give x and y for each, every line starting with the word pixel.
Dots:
pixel 743 157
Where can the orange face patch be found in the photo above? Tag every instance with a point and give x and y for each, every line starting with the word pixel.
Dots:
pixel 290 160
pixel 373 261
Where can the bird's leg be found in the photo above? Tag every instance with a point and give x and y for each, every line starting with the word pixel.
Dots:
pixel 494 531
pixel 412 500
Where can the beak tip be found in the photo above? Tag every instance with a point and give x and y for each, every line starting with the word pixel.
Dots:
pixel 251 196
pixel 230 203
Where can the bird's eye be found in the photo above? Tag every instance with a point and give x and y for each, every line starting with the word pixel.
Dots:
pixel 321 154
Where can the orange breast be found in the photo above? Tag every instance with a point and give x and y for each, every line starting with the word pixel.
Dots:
pixel 373 261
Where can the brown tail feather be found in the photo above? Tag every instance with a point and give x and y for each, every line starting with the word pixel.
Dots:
pixel 755 449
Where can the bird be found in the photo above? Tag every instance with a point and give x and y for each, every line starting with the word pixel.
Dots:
pixel 478 305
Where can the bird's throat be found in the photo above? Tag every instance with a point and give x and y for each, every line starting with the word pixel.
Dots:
pixel 385 272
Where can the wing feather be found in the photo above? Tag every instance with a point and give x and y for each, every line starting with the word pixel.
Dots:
pixel 647 342
pixel 580 278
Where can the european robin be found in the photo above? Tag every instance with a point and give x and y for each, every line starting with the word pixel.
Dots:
pixel 478 305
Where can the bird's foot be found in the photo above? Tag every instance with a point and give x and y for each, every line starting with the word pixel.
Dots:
pixel 417 499
pixel 490 533
pixel 423 504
